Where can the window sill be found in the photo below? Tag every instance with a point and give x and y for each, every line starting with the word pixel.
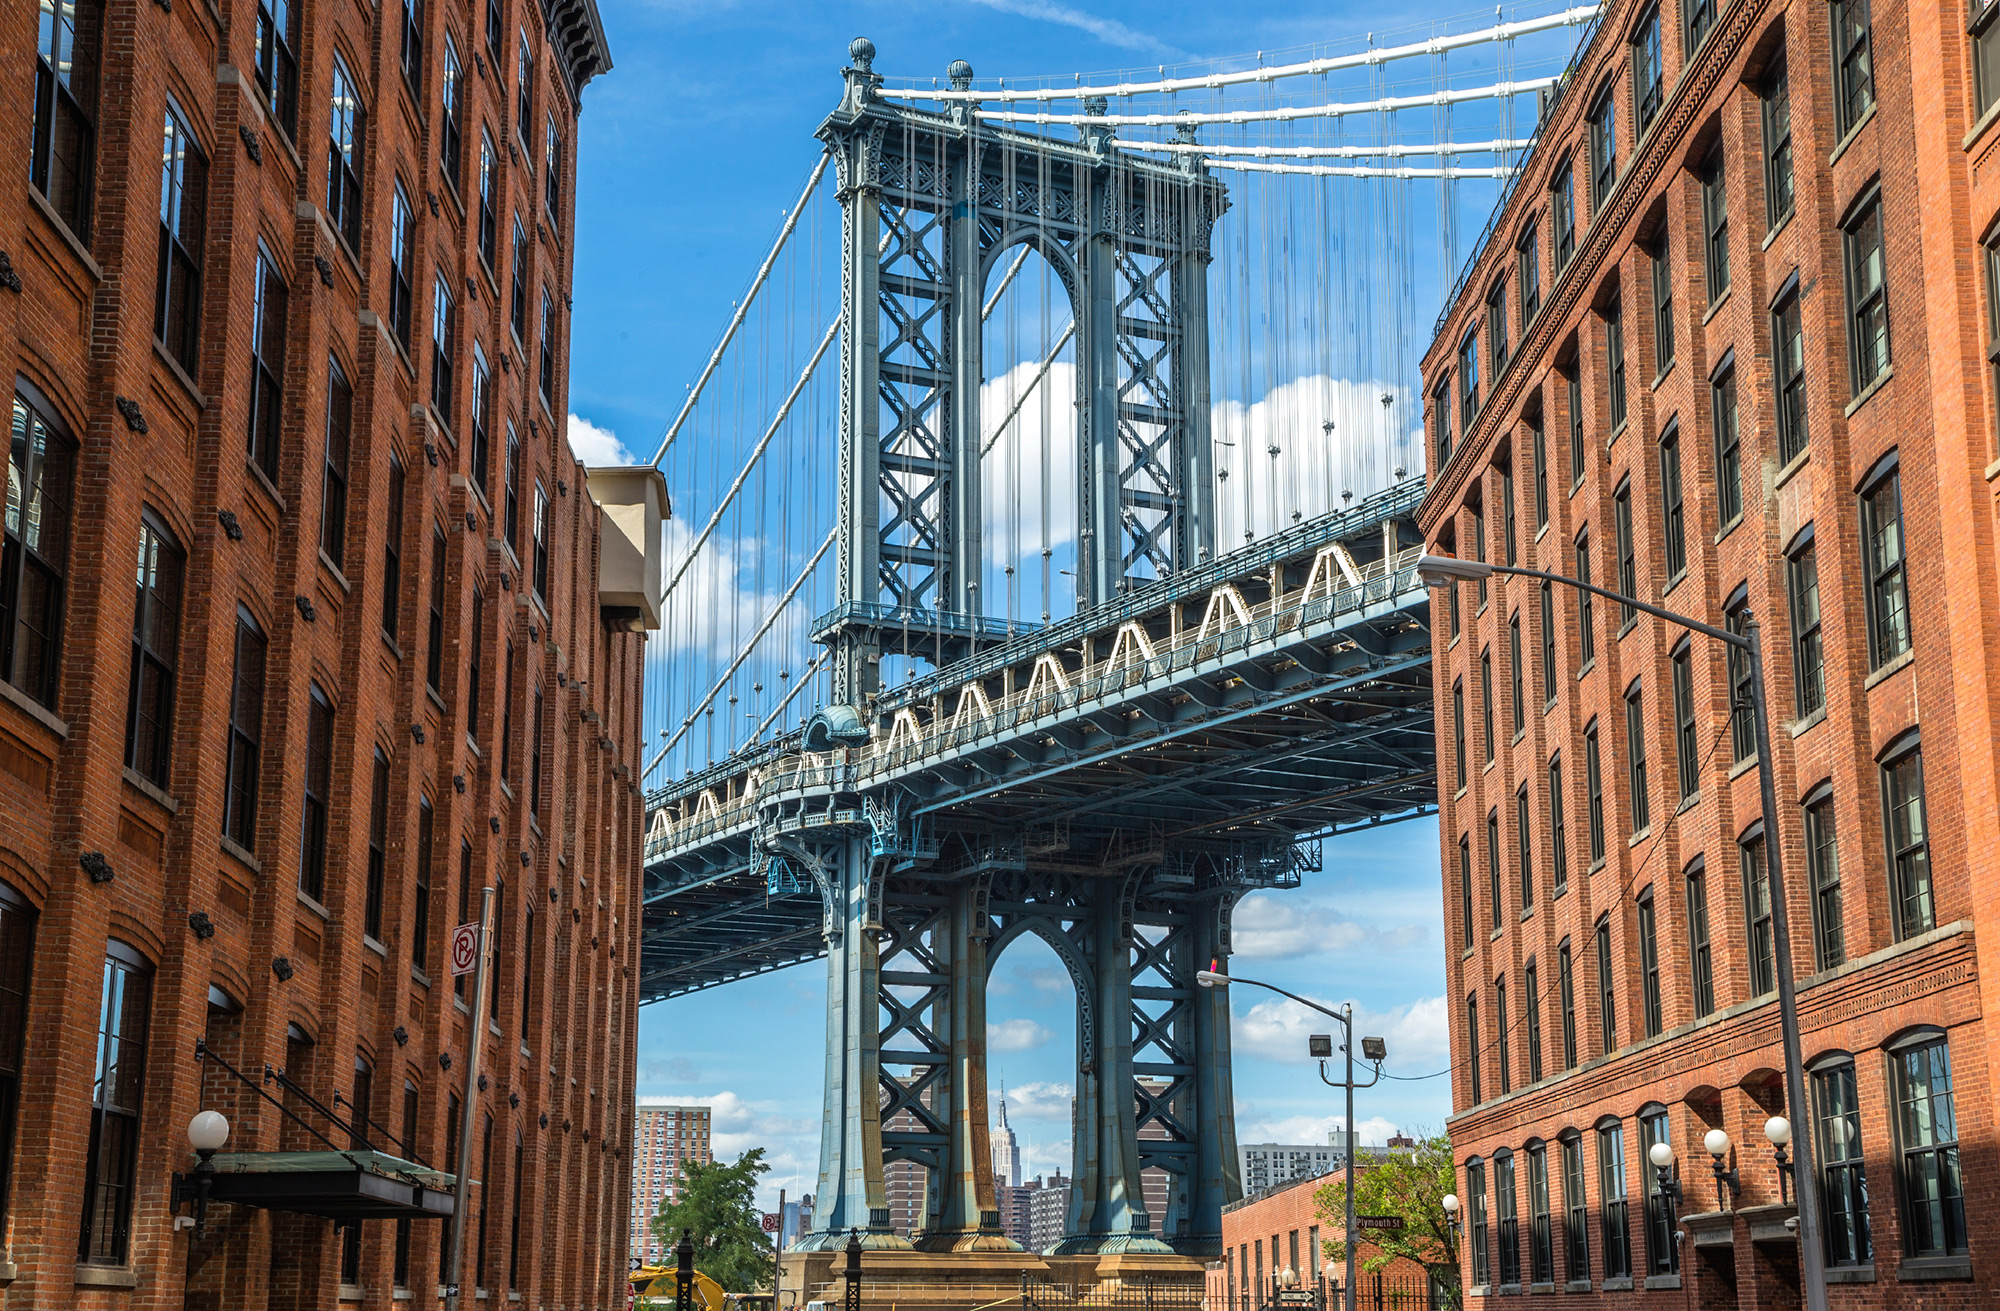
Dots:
pixel 374 945
pixel 1577 1286
pixel 1742 767
pixel 1727 529
pixel 1540 533
pixel 1595 865
pixel 1881 380
pixel 76 246
pixel 1616 433
pixel 1715 307
pixel 473 747
pixel 1673 582
pixel 418 976
pixel 1784 221
pixel 1812 721
pixel 1851 1274
pixel 1928 1269
pixel 1585 669
pixel 1617 1286
pixel 352 1293
pixel 400 1295
pixel 106 1276
pixel 1791 471
pixel 1519 733
pixel 152 791
pixel 1628 625
pixel 1890 670
pixel 1495 935
pixel 1541 1288
pixel 1688 802
pixel 1663 374
pixel 1867 117
pixel 312 904
pixel 334 569
pixel 242 855
pixel 40 712
pixel 394 649
pixel 1662 1281
pixel 1527 913
pixel 264 480
pixel 1639 837
pixel 437 700
pixel 1986 120
pixel 180 375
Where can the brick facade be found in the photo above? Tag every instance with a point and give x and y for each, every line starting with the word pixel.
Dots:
pixel 281 949
pixel 1279 1229
pixel 1884 899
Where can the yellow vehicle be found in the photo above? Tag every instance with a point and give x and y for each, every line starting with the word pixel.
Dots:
pixel 657 1281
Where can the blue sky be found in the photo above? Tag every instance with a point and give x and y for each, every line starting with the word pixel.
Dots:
pixel 690 151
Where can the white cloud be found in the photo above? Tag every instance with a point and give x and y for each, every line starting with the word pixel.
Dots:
pixel 1040 1101
pixel 1261 493
pixel 1313 1129
pixel 1416 1034
pixel 1107 30
pixel 593 445
pixel 1266 928
pixel 790 1143
pixel 1016 1036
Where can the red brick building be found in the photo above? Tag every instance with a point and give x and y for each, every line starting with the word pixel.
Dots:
pixel 301 645
pixel 1281 1229
pixel 1726 351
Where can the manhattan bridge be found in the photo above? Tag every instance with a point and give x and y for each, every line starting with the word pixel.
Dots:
pixel 1044 565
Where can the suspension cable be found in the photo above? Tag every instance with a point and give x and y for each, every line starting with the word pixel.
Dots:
pixel 1387 104
pixel 805 676
pixel 1213 81
pixel 742 310
pixel 1497 147
pixel 1021 398
pixel 1448 171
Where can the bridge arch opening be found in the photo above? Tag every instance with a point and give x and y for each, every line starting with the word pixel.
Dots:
pixel 1032 1055
pixel 1028 409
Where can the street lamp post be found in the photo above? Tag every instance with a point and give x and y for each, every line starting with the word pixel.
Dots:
pixel 1444 570
pixel 1321 1048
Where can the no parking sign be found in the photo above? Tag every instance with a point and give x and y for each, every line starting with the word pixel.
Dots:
pixel 465 948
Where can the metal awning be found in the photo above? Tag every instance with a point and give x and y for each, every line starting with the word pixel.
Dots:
pixel 334 1185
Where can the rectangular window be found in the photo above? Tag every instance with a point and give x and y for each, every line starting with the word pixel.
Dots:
pixel 1728 447
pixel 123 1009
pixel 1473 1048
pixel 277 64
pixel 518 313
pixel 1566 998
pixel 1715 218
pixel 1496 327
pixel 1662 1255
pixel 1649 966
pixel 413 45
pixel 1843 1178
pixel 17 946
pixel 65 140
pixel 267 362
pixel 1628 554
pixel 1528 262
pixel 347 128
pixel 1558 837
pixel 444 329
pixel 1985 54
pixel 1524 849
pixel 1611 1190
pixel 1478 509
pixel 392 551
pixel 507 714
pixel 1541 455
pixel 1486 702
pixel 1441 422
pixel 510 495
pixel 434 656
pixel 541 528
pixel 1576 1212
pixel 1777 114
pixel 183 216
pixel 1475 1187
pixel 1635 759
pixel 1882 552
pixel 1757 916
pixel 420 923
pixel 1573 385
pixel 1673 506
pixel 1663 309
pixel 402 244
pixel 1468 381
pixel 1503 1040
pixel 1788 366
pixel 489 204
pixel 528 976
pixel 1607 1009
pixel 1531 1008
pixel 1742 726
pixel 1927 1141
pixel 1823 862
pixel 1562 213
pixel 1465 889
pixel 1586 608
pixel 378 847
pixel 156 625
pixel 539 726
pixel 1603 147
pixel 482 423
pixel 1701 956
pixel 451 121
pixel 1909 845
pixel 1853 74
pixel 1458 729
pixel 552 167
pixel 246 733
pixel 1510 538
pixel 318 792
pixel 465 911
pixel 333 485
pixel 548 345
pixel 1687 750
pixel 1509 1226
pixel 1493 879
pixel 524 93
pixel 1549 675
pixel 1593 784
pixel 1614 354
pixel 475 664
pixel 1867 297
pixel 1647 74
pixel 1518 674
pixel 1808 659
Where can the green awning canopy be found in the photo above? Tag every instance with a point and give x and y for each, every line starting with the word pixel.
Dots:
pixel 356 1185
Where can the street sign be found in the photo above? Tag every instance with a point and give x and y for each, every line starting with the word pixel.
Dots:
pixel 1296 1297
pixel 770 1223
pixel 1378 1222
pixel 465 948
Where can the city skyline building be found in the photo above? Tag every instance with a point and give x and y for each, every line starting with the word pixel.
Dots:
pixel 1672 371
pixel 1006 1147
pixel 665 1136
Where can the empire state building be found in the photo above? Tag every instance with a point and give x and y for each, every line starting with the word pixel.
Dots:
pixel 1006 1149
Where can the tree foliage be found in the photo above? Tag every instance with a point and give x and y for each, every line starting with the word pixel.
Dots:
pixel 718 1203
pixel 1407 1184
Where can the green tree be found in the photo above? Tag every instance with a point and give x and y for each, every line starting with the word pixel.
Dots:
pixel 1407 1184
pixel 718 1203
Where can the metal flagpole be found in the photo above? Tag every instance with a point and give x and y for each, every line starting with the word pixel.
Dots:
pixel 481 981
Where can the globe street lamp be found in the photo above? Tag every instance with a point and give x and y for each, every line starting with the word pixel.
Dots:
pixel 1322 1047
pixel 1718 1145
pixel 1443 571
pixel 206 1133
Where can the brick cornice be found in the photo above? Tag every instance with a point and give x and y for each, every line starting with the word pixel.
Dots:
pixel 1609 227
